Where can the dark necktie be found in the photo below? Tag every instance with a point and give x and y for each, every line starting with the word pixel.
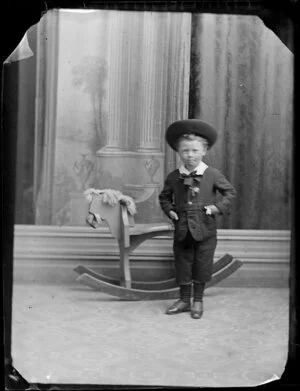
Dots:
pixel 191 179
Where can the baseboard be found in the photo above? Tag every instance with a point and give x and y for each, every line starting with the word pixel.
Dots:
pixel 48 254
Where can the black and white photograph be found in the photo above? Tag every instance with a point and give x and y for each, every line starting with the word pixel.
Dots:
pixel 152 195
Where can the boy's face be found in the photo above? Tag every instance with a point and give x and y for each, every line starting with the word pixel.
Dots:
pixel 191 153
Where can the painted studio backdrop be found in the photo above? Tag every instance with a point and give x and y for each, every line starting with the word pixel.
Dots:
pixel 93 91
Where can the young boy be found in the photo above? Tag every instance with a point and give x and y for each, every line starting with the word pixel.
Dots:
pixel 189 199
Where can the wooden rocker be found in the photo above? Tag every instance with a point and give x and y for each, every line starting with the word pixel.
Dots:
pixel 118 213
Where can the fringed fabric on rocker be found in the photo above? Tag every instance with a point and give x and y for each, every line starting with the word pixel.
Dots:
pixel 112 198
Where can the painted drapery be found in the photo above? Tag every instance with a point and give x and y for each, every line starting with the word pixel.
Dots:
pixel 108 83
pixel 242 82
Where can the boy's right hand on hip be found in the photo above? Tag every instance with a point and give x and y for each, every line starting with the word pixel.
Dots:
pixel 173 215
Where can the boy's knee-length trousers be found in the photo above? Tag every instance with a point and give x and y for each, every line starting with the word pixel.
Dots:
pixel 194 259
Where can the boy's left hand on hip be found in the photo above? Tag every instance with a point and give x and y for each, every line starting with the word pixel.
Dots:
pixel 211 210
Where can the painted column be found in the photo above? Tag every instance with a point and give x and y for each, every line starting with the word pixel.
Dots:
pixel 149 137
pixel 114 130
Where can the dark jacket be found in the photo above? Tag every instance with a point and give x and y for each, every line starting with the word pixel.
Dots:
pixel 189 205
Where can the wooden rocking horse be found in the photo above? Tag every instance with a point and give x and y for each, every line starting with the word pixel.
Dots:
pixel 118 210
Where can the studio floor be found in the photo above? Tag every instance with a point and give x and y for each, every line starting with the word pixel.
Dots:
pixel 72 334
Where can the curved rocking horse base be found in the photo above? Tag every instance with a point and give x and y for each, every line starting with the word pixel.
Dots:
pixel 152 285
pixel 148 291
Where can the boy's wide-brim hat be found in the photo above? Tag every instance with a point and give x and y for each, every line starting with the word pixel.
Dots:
pixel 190 126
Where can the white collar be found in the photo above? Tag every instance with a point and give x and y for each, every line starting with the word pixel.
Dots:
pixel 199 169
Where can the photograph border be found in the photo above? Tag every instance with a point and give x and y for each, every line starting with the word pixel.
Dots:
pixel 20 16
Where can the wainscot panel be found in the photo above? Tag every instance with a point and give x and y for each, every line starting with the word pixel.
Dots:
pixel 48 254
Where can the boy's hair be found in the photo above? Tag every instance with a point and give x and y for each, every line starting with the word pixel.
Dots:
pixel 191 137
